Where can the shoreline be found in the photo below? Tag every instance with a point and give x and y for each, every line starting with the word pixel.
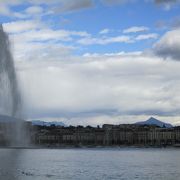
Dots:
pixel 93 147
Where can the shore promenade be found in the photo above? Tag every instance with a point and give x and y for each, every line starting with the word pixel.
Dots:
pixel 107 135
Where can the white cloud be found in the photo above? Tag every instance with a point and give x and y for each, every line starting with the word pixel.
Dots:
pixel 34 10
pixel 32 39
pixel 41 51
pixel 135 29
pixel 55 6
pixel 116 39
pixel 104 31
pixel 105 40
pixel 169 45
pixel 95 88
pixel 133 84
pixel 56 84
pixel 47 35
pixel 122 53
pixel 146 36
pixel 22 26
pixel 6 10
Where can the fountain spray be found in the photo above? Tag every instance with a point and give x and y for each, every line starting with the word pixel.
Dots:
pixel 10 96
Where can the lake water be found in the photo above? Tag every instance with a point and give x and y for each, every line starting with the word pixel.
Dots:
pixel 90 164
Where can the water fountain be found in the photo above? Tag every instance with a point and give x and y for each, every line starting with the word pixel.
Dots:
pixel 10 98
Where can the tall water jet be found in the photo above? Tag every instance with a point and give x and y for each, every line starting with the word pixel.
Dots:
pixel 10 98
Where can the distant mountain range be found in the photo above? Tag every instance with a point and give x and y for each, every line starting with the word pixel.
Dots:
pixel 150 121
pixel 153 121
pixel 44 123
pixel 4 118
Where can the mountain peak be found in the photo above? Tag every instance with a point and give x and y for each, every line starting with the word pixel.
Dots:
pixel 154 121
pixel 152 118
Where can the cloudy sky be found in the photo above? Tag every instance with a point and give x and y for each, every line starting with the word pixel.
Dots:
pixel 96 61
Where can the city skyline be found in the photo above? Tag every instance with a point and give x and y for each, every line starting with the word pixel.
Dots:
pixel 96 62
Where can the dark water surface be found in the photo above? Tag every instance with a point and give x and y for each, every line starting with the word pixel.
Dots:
pixel 89 164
